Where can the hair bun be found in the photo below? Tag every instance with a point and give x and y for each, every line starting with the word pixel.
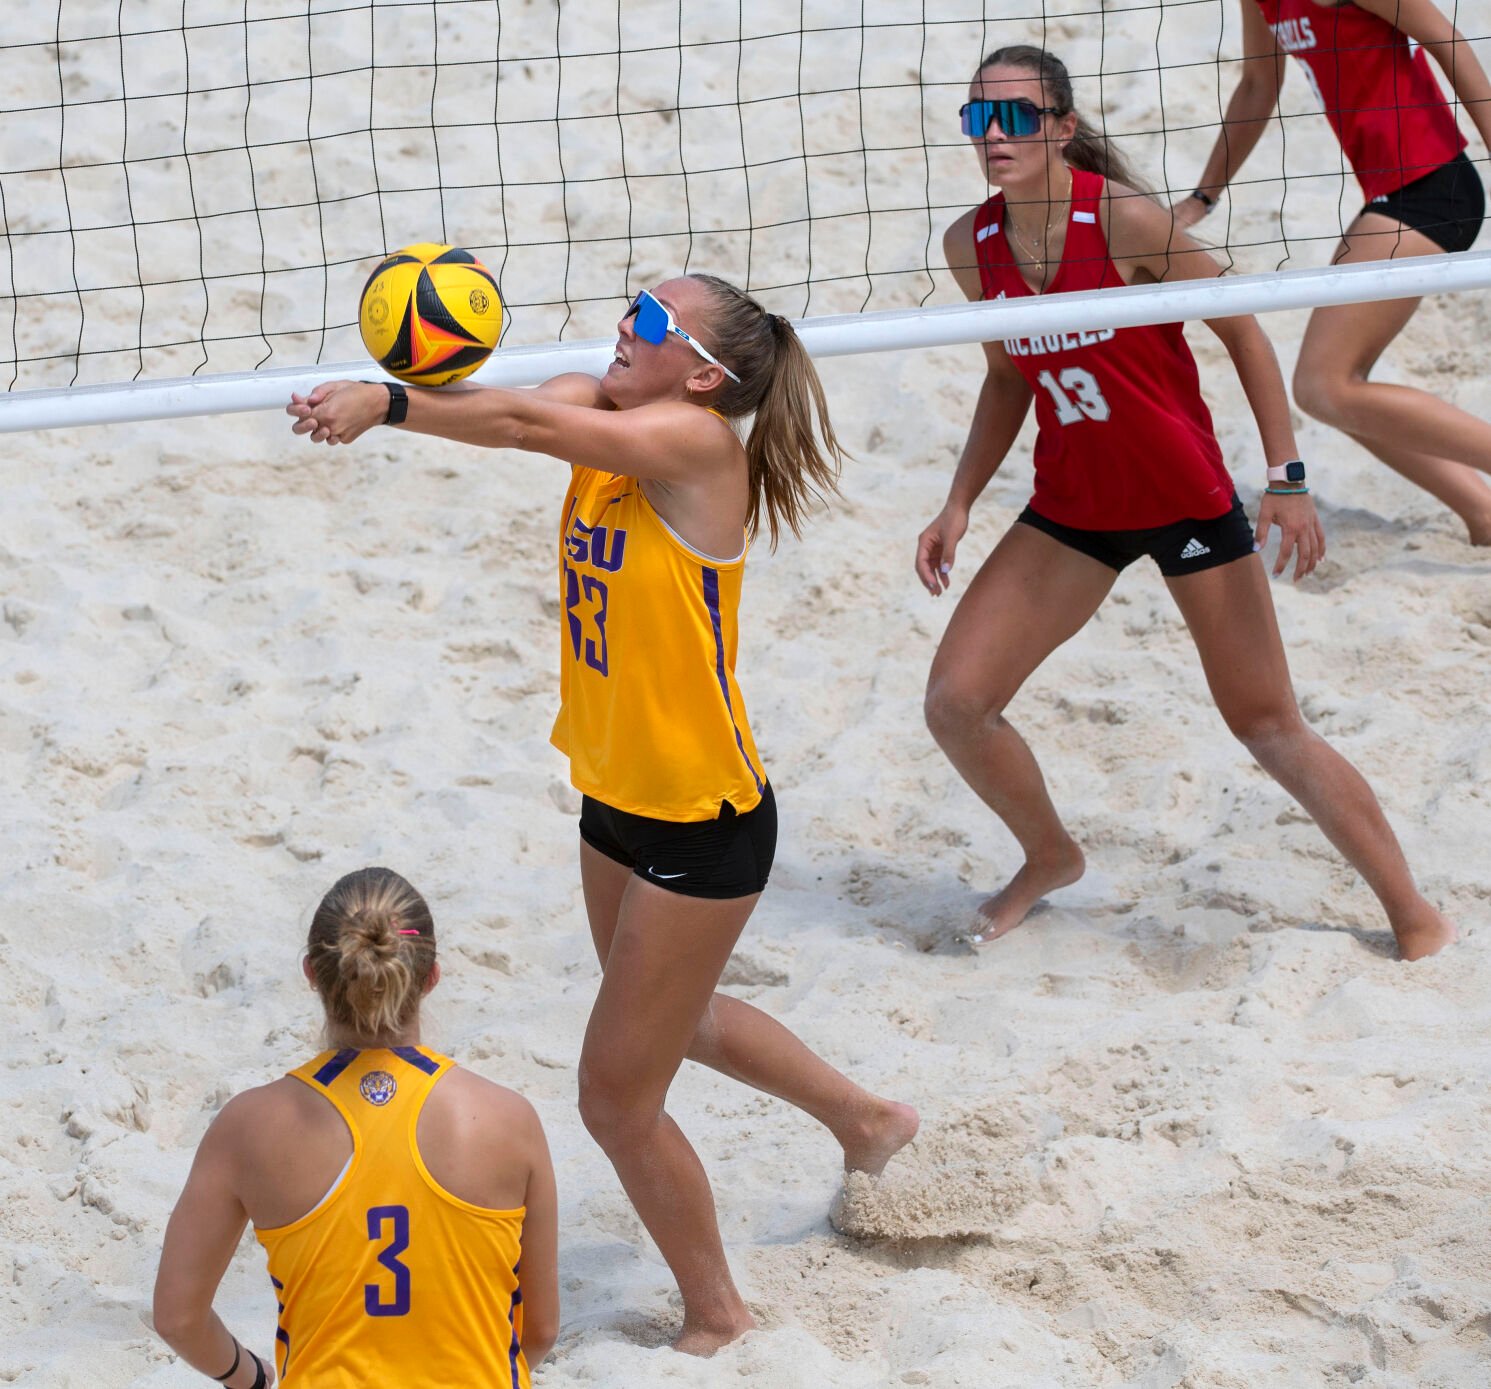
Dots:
pixel 368 932
pixel 370 970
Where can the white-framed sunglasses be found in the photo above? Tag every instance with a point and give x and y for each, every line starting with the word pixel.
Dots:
pixel 654 323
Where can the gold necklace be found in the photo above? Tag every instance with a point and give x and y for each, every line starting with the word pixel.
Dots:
pixel 1038 257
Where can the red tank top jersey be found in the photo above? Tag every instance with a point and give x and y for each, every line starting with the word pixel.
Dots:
pixel 1125 440
pixel 1377 89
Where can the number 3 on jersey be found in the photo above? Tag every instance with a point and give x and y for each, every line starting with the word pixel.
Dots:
pixel 1076 395
pixel 373 1300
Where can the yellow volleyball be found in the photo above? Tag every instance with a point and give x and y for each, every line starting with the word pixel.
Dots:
pixel 430 314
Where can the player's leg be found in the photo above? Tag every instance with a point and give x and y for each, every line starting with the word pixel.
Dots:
pixel 1464 490
pixel 603 881
pixel 1032 594
pixel 1230 613
pixel 1429 441
pixel 666 955
pixel 742 1042
pixel 747 1045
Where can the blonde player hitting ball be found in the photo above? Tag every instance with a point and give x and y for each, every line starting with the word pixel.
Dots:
pixel 1126 465
pixel 678 819
pixel 406 1205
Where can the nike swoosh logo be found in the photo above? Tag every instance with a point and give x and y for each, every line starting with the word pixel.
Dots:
pixel 656 874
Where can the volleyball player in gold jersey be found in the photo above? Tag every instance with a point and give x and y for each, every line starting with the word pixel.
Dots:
pixel 678 825
pixel 406 1205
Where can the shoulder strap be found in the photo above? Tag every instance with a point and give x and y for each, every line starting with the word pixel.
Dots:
pixel 1087 194
pixel 990 249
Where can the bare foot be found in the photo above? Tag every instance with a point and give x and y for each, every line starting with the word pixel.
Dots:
pixel 1479 529
pixel 879 1136
pixel 1423 932
pixel 705 1340
pixel 1008 907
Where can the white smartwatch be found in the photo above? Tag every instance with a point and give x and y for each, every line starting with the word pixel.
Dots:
pixel 1292 472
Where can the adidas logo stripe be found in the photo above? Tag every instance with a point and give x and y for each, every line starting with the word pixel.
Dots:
pixel 1194 549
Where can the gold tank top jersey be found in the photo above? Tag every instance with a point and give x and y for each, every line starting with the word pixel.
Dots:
pixel 391 1279
pixel 650 714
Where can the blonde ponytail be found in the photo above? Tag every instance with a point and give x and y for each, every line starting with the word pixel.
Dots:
pixel 371 950
pixel 779 386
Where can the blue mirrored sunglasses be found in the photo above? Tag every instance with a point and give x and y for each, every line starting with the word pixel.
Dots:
pixel 654 323
pixel 1016 118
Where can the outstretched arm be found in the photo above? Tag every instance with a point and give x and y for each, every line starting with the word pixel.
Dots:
pixel 1251 104
pixel 203 1232
pixel 1426 25
pixel 1145 245
pixel 567 418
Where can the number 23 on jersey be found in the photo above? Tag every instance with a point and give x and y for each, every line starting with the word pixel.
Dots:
pixel 586 595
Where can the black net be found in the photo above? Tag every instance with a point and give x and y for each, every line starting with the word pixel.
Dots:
pixel 199 186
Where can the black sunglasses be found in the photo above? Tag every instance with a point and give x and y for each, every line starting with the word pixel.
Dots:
pixel 1016 118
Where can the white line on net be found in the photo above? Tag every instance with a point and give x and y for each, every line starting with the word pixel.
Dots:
pixel 830 336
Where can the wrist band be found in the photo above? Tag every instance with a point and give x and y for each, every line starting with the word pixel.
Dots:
pixel 1205 199
pixel 231 1370
pixel 1273 491
pixel 260 1378
pixel 398 410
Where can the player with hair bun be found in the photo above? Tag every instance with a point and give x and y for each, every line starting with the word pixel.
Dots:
pixel 1126 465
pixel 678 822
pixel 1368 63
pixel 406 1205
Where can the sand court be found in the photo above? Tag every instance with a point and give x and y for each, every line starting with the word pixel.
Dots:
pixel 1191 1126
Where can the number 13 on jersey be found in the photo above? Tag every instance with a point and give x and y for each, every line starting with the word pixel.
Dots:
pixel 1076 395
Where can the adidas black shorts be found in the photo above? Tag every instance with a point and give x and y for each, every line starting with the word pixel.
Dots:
pixel 1182 547
pixel 1447 205
pixel 729 856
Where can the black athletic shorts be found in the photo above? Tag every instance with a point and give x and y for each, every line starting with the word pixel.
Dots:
pixel 1447 206
pixel 729 856
pixel 1182 547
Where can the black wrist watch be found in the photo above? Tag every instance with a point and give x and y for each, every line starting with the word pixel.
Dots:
pixel 398 401
pixel 1205 199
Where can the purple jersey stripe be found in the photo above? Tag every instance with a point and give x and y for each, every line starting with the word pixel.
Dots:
pixel 712 602
pixel 280 1334
pixel 333 1068
pixel 512 1320
pixel 416 1058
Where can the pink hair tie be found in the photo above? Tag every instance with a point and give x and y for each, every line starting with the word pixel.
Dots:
pixel 408 930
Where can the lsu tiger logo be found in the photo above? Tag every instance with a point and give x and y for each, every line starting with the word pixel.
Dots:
pixel 378 1087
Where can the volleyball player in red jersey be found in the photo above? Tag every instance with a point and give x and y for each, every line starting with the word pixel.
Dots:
pixel 1367 63
pixel 1126 465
